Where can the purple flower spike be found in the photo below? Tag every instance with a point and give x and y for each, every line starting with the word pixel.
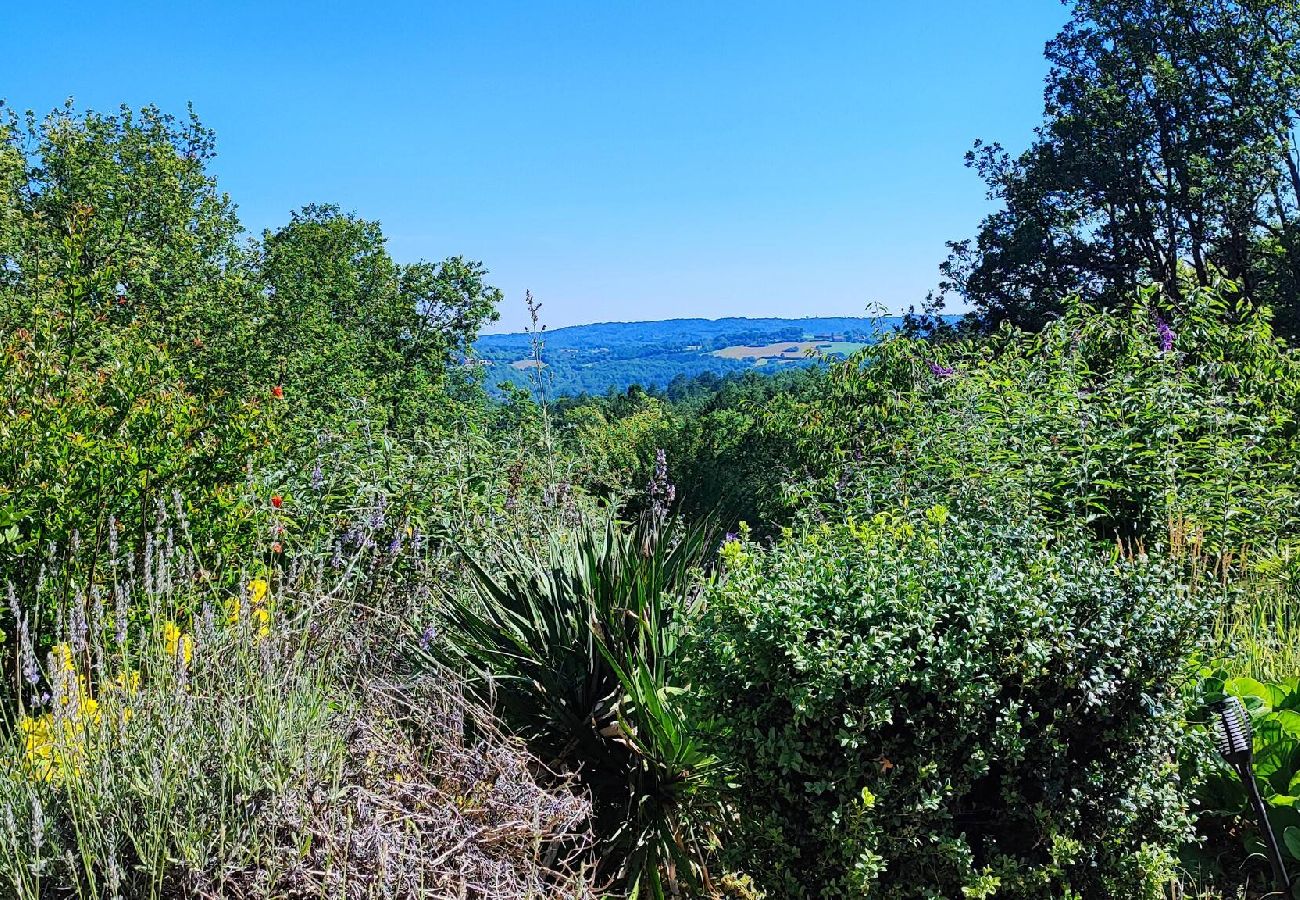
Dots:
pixel 942 371
pixel 1165 335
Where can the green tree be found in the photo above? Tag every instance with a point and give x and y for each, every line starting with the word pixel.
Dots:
pixel 125 329
pixel 1168 140
pixel 113 222
pixel 345 322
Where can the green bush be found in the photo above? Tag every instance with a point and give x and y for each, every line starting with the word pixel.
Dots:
pixel 924 706
pixel 1091 421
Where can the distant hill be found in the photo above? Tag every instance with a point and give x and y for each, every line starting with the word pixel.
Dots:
pixel 592 359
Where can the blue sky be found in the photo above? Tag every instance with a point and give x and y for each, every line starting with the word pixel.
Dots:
pixel 623 160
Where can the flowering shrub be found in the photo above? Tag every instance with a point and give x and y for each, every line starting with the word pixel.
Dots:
pixel 924 706
pixel 236 755
pixel 1170 423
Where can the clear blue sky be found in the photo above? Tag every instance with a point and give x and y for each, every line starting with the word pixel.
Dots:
pixel 623 160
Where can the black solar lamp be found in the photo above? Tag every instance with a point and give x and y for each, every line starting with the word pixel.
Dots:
pixel 1232 733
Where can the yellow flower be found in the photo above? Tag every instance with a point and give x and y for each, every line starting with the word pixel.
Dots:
pixel 257 589
pixel 88 708
pixel 177 642
pixel 38 746
pixel 52 749
pixel 126 682
pixel 62 655
pixel 262 617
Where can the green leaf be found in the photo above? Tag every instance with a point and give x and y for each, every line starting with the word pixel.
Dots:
pixel 1269 695
pixel 1291 837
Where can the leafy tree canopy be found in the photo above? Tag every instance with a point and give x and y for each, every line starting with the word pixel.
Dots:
pixel 1168 140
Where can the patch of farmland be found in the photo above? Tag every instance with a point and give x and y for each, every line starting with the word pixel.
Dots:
pixel 787 351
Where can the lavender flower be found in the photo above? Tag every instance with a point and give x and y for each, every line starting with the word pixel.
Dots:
pixel 427 637
pixel 112 542
pixel 78 627
pixel 317 477
pixel 1164 334
pixel 26 652
pixel 207 623
pixel 120 613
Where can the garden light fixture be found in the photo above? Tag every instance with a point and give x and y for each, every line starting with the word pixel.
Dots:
pixel 1232 734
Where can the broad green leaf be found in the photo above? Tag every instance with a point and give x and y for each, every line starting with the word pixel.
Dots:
pixel 1291 838
pixel 1269 695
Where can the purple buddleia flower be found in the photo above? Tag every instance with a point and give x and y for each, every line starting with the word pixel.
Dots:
pixel 317 477
pixel 660 490
pixel 941 371
pixel 377 518
pixel 1164 334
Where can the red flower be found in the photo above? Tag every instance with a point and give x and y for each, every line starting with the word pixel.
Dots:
pixel 276 548
pixel 277 501
pixel 277 392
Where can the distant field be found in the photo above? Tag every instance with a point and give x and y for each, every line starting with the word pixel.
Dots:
pixel 788 350
pixel 522 364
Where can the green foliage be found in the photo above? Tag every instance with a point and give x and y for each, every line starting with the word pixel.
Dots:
pixel 344 321
pixel 576 646
pixel 1258 627
pixel 113 222
pixel 1274 710
pixel 922 705
pixel 1087 421
pixel 730 448
pixel 1167 138
pixel 122 288
pixel 116 432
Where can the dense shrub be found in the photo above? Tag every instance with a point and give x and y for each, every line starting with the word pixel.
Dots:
pixel 1171 422
pixel 928 706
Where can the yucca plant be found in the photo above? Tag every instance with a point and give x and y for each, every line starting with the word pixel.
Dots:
pixel 574 644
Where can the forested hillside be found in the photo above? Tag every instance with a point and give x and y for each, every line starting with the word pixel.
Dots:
pixel 594 359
